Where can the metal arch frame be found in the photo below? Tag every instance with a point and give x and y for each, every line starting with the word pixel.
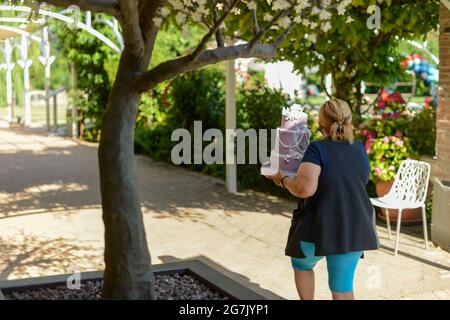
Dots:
pixel 48 60
pixel 114 26
pixel 68 20
pixel 20 31
pixel 24 64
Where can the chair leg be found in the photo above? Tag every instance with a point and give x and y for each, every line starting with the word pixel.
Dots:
pixel 425 228
pixel 399 222
pixel 388 223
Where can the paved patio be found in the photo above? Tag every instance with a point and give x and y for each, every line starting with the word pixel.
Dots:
pixel 50 222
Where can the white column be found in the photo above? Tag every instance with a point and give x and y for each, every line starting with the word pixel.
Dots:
pixel 8 66
pixel 328 85
pixel 74 129
pixel 46 59
pixel 25 64
pixel 230 126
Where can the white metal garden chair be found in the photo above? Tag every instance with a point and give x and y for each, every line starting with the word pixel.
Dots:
pixel 409 191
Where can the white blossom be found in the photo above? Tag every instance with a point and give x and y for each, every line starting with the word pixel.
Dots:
pixel 298 19
pixel 157 21
pixel 326 26
pixel 312 37
pixel 181 18
pixel 324 15
pixel 311 14
pixel 280 5
pixel 196 16
pixel 284 22
pixel 165 11
pixel 236 11
pixel 251 5
pixel 267 17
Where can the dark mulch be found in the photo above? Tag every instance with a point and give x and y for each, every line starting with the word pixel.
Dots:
pixel 167 287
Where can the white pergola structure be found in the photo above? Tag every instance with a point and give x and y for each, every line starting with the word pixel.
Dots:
pixel 35 30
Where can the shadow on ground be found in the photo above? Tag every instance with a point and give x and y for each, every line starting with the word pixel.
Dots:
pixel 31 256
pixel 38 176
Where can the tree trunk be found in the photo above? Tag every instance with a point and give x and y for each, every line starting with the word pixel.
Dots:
pixel 128 273
pixel 345 90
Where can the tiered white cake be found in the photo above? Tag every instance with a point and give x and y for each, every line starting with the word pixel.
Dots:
pixel 292 140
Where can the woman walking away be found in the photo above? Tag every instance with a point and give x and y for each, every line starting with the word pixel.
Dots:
pixel 334 218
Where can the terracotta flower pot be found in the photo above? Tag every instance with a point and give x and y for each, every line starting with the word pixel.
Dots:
pixel 409 216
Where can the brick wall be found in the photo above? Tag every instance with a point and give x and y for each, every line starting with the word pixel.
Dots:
pixel 443 114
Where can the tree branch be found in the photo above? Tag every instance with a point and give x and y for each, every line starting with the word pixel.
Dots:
pixel 266 29
pixel 284 35
pixel 148 10
pixel 129 20
pixel 212 31
pixel 110 7
pixel 256 28
pixel 172 68
pixel 219 36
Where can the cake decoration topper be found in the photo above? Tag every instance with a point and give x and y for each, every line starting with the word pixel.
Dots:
pixel 294 112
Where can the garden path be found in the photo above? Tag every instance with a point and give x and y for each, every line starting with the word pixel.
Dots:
pixel 50 222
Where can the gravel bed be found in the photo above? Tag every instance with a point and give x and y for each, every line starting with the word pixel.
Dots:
pixel 167 287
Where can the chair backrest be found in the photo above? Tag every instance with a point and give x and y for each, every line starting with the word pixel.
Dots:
pixel 411 182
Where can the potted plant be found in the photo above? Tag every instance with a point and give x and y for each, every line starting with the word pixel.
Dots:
pixel 386 155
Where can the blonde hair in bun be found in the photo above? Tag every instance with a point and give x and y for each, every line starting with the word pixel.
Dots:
pixel 335 116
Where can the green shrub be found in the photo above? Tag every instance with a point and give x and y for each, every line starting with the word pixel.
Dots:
pixel 154 142
pixel 258 108
pixel 198 95
pixel 194 96
pixel 421 131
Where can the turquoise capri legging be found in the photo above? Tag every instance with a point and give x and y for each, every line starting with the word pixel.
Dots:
pixel 341 267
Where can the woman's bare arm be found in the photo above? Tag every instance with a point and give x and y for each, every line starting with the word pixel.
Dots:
pixel 304 185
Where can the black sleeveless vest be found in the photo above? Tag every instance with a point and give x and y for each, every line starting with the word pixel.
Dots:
pixel 341 210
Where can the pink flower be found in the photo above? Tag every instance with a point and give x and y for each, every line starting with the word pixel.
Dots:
pixel 368 145
pixel 386 139
pixel 377 171
pixel 396 97
pixel 391 168
pixel 398 134
pixel 399 143
pixel 369 134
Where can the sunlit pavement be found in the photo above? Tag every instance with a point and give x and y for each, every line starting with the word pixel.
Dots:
pixel 50 223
